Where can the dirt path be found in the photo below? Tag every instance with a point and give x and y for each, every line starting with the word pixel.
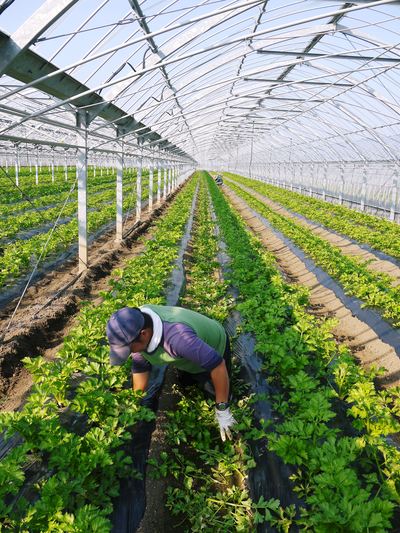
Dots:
pixel 157 517
pixel 48 310
pixel 360 337
pixel 346 246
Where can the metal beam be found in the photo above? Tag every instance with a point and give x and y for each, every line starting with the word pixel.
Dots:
pixel 31 29
pixel 198 27
pixel 298 82
pixel 29 66
pixel 330 56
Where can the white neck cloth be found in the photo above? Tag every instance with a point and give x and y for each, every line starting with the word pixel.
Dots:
pixel 157 329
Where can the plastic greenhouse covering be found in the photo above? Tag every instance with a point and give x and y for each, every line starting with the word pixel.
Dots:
pixel 303 91
pixel 238 158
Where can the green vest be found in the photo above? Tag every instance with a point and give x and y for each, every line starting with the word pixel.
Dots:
pixel 208 330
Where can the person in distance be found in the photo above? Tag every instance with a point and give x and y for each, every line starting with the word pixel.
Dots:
pixel 193 343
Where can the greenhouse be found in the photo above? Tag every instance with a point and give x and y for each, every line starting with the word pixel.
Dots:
pixel 199 266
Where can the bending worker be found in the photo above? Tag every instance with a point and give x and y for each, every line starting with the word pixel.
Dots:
pixel 193 343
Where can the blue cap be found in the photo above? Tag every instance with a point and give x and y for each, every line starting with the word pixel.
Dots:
pixel 122 328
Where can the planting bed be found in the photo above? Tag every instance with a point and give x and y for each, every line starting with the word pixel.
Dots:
pixel 48 303
pixel 375 289
pixel 382 235
pixel 373 259
pixel 372 339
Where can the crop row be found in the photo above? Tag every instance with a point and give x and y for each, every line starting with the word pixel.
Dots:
pixel 56 198
pixel 331 424
pixel 208 492
pixel 378 233
pixel 80 412
pixel 31 219
pixel 27 176
pixel 21 255
pixel 375 289
pixel 12 194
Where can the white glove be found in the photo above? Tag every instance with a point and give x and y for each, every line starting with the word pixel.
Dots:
pixel 225 421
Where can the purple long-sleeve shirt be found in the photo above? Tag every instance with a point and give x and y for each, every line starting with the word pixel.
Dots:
pixel 180 340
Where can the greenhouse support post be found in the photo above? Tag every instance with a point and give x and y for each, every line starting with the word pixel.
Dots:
pixel 325 181
pixel 158 182
pixel 364 188
pixel 37 167
pixel 165 183
pixel 394 198
pixel 151 186
pixel 119 194
pixel 16 165
pixel 341 184
pixel 81 170
pixel 139 189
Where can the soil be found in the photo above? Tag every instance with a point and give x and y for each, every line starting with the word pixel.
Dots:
pixel 48 311
pixel 157 518
pixel 363 341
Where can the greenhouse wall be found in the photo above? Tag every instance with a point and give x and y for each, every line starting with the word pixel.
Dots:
pixel 371 185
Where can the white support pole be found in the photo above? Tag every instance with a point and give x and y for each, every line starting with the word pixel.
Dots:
pixel 66 168
pixel 364 188
pixel 301 178
pixel 139 189
pixel 37 166
pixel 119 194
pixel 165 183
pixel 341 184
pixel 395 194
pixel 159 181
pixel 16 165
pixel 81 170
pixel 325 181
pixel 52 167
pixel 151 186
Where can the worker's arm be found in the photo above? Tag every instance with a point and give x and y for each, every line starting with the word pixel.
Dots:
pixel 223 415
pixel 141 369
pixel 220 379
pixel 140 380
